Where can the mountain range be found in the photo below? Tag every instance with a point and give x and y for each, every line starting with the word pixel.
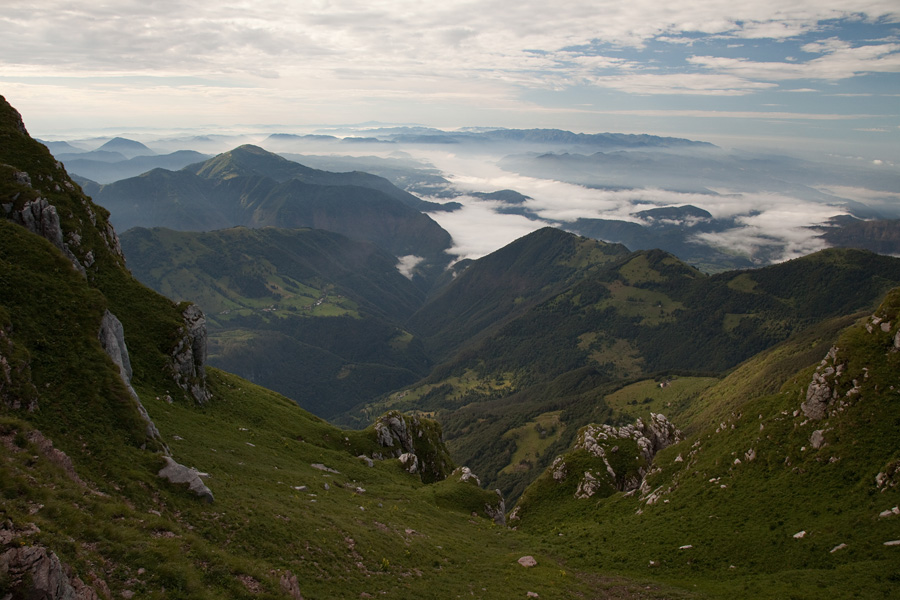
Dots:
pixel 249 186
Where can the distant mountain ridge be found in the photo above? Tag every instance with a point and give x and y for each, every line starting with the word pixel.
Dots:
pixel 252 187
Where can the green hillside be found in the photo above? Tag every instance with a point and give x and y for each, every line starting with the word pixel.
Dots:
pixel 769 500
pixel 308 313
pixel 606 322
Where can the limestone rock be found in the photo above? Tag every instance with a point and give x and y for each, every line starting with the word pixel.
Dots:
pixel 558 469
pixel 391 429
pixel 177 473
pixel 189 355
pixel 650 437
pixel 290 586
pixel 410 462
pixel 466 474
pixel 35 572
pixel 817 439
pixel 822 390
pixel 40 217
pixel 112 339
pixel 527 561
pixel 409 434
pixel 497 511
pixel 588 486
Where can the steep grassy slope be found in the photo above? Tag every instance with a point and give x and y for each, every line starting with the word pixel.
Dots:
pixel 767 501
pixel 308 313
pixel 506 283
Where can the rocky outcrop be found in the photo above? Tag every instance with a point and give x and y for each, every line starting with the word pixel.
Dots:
pixel 189 355
pixel 602 441
pixel 497 510
pixel 36 572
pixel 290 585
pixel 179 474
pixel 112 339
pixel 40 217
pixel 651 437
pixel 417 442
pixel 822 390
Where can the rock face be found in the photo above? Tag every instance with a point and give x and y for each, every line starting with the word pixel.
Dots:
pixel 497 511
pixel 189 355
pixel 418 443
pixel 35 572
pixel 601 442
pixel 40 217
pixel 177 473
pixel 112 339
pixel 290 586
pixel 822 390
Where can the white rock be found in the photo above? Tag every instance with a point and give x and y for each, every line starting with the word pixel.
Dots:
pixel 892 543
pixel 685 547
pixel 527 561
pixel 799 535
pixel 838 547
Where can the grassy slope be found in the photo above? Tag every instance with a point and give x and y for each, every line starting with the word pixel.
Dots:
pixel 739 515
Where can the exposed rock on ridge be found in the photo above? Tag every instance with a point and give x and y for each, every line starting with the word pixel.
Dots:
pixel 417 442
pixel 189 355
pixel 40 217
pixel 599 441
pixel 112 338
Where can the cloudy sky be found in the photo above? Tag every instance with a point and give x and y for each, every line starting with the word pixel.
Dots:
pixel 811 72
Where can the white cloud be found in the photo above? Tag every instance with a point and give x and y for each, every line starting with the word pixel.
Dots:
pixel 772 224
pixel 407 264
pixel 696 84
pixel 840 61
pixel 478 230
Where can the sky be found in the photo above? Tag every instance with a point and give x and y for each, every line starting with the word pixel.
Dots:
pixel 806 74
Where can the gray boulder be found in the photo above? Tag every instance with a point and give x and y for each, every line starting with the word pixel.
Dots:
pixel 35 572
pixel 179 474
